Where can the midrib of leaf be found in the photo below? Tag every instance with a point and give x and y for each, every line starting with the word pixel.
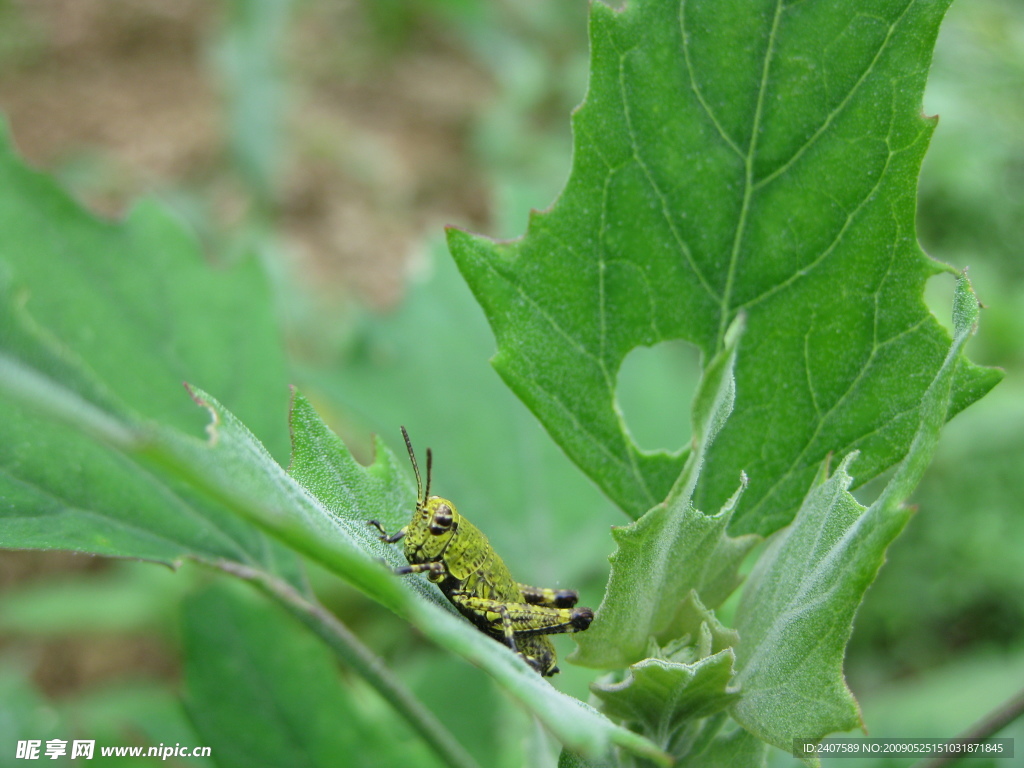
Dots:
pixel 851 217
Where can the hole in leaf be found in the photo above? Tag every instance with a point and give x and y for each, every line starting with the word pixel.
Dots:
pixel 654 391
pixel 938 295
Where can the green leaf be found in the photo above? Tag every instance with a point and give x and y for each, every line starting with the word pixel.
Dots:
pixel 698 629
pixel 100 323
pixel 734 157
pixel 663 696
pixel 672 549
pixel 676 697
pixel 797 609
pixel 135 304
pixel 77 489
pixel 247 662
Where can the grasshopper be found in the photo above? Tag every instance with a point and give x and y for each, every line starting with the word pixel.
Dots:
pixel 457 557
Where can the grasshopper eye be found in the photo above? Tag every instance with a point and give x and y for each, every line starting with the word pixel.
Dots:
pixel 442 519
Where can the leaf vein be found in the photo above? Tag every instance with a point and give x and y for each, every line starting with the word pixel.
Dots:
pixel 830 118
pixel 685 44
pixel 748 178
pixel 662 200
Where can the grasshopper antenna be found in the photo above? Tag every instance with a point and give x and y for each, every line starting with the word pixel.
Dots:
pixel 421 498
pixel 430 462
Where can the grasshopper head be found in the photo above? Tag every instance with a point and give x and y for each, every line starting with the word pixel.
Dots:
pixel 433 525
pixel 435 520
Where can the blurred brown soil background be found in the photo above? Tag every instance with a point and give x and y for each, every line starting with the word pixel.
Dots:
pixel 124 92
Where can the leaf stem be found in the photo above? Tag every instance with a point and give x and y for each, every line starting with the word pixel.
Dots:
pixel 348 648
pixel 987 727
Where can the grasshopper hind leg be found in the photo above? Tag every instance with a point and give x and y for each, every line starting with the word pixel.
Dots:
pixel 552 598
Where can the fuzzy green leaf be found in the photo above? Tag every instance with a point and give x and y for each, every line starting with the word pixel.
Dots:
pixel 698 630
pixel 756 157
pixel 676 697
pixel 797 609
pixel 673 549
pixel 663 695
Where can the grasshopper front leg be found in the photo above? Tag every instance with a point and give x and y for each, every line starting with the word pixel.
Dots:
pixel 388 538
pixel 435 569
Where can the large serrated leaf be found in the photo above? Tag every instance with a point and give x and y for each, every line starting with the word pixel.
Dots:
pixel 757 157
